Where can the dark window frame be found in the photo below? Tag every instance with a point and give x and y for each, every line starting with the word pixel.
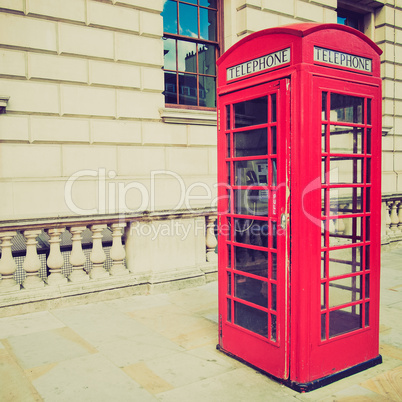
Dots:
pixel 197 43
pixel 351 16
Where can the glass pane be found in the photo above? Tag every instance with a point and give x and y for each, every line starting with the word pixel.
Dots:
pixel 273 108
pixel 207 91
pixel 226 229
pixel 323 265
pixel 324 138
pixel 169 15
pixel 250 231
pixel 252 112
pixel 368 111
pixel 208 3
pixel 273 296
pixel 347 200
pixel 251 143
pixel 343 291
pixel 251 290
pixel 367 286
pixel 188 20
pixel 187 58
pixel 206 59
pixel 187 89
pixel 227 117
pixel 229 287
pixel 169 49
pixel 345 170
pixel 324 106
pixel 323 297
pixel 251 202
pixel 252 261
pixel 273 328
pixel 351 231
pixel 274 235
pixel 346 108
pixel 170 88
pixel 273 139
pixel 208 24
pixel 274 172
pixel 323 327
pixel 250 318
pixel 228 147
pixel 367 314
pixel 229 303
pixel 344 320
pixel 345 261
pixel 368 141
pixel 229 260
pixel 346 140
pixel 273 266
pixel 252 173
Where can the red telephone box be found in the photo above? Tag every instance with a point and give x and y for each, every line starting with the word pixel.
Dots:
pixel 299 156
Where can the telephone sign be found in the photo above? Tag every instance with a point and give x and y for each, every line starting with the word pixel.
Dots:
pixel 299 162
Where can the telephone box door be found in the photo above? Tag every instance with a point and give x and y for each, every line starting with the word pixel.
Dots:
pixel 253 212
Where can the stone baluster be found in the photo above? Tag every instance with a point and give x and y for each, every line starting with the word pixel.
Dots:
pixel 32 262
pixel 98 256
pixel 394 217
pixel 77 256
pixel 384 213
pixel 117 252
pixel 388 221
pixel 210 239
pixel 7 263
pixel 55 260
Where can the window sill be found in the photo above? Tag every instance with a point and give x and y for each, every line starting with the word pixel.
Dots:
pixel 185 116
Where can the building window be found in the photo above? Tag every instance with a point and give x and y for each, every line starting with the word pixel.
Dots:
pixel 191 47
pixel 351 19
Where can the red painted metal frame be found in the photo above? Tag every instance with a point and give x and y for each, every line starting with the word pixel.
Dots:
pixel 310 358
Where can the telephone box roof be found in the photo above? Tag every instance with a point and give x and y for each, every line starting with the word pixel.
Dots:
pixel 301 30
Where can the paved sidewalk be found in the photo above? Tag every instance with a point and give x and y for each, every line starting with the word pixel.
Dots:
pixel 162 348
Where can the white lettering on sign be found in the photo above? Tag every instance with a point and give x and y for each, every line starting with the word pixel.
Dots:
pixel 260 64
pixel 342 59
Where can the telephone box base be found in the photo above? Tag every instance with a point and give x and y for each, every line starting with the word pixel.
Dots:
pixel 311 386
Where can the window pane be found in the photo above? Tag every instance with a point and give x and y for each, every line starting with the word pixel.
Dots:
pixel 251 173
pixel 207 24
pixel 346 140
pixel 251 202
pixel 251 231
pixel 250 318
pixel 187 58
pixel 252 112
pixel 251 143
pixel 170 17
pixel 188 20
pixel 347 200
pixel 251 290
pixel 343 291
pixel 206 59
pixel 169 49
pixel 187 89
pixel 345 170
pixel 207 91
pixel 344 320
pixel 344 261
pixel 170 88
pixel 346 108
pixel 252 261
pixel 208 3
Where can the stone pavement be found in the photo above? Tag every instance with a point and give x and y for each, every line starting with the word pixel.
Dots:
pixel 162 348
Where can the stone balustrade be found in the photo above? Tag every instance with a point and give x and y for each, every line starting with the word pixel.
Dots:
pixel 86 256
pixel 391 222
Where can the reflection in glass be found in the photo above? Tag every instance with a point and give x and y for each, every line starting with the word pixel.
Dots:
pixel 251 231
pixel 344 320
pixel 169 49
pixel 251 142
pixel 187 89
pixel 345 261
pixel 208 24
pixel 351 231
pixel 187 58
pixel 188 20
pixel 170 17
pixel 251 290
pixel 345 170
pixel 252 261
pixel 170 88
pixel 251 202
pixel 346 140
pixel 252 112
pixel 346 108
pixel 252 173
pixel 250 318
pixel 274 172
pixel 207 91
pixel 206 59
pixel 273 296
pixel 273 328
pixel 346 290
pixel 208 3
pixel 273 266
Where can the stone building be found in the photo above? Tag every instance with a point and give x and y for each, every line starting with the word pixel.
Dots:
pixel 108 135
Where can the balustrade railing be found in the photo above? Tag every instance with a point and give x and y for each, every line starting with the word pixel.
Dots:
pixel 53 254
pixel 391 230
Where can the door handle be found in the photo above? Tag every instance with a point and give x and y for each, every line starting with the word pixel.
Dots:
pixel 283 221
